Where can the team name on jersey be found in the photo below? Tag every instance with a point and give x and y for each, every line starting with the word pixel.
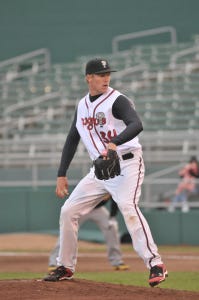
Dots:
pixel 90 122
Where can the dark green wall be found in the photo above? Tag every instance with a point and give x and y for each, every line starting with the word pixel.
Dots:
pixel 37 210
pixel 73 28
pixel 24 209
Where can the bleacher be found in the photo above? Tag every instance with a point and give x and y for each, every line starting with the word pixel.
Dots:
pixel 153 91
pixel 38 100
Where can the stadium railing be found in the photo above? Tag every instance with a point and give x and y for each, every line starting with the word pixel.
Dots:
pixel 24 65
pixel 166 99
pixel 134 35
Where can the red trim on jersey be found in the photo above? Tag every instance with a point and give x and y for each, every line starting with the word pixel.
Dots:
pixel 94 116
pixel 94 143
pixel 90 131
pixel 94 125
pixel 86 103
pixel 138 214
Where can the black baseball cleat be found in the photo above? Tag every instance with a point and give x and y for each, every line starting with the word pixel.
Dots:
pixel 60 273
pixel 158 274
pixel 51 268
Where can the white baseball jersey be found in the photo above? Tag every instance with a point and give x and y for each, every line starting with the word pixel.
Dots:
pixel 97 125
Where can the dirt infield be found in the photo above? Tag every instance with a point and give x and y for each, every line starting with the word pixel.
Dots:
pixel 35 259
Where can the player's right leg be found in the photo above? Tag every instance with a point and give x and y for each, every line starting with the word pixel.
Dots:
pixel 86 195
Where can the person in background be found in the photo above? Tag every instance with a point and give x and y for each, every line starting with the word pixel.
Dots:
pixel 187 185
pixel 108 225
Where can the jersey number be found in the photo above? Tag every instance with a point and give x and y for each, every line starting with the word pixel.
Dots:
pixel 107 136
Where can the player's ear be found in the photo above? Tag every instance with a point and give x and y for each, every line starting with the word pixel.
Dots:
pixel 89 77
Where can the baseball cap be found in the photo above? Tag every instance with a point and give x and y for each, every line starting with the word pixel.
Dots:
pixel 98 66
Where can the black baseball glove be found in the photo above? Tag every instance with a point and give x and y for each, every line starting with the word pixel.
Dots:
pixel 107 166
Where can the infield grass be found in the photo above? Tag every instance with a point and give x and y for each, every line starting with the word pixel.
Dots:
pixel 176 280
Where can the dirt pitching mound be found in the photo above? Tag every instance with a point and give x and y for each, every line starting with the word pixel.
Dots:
pixel 77 289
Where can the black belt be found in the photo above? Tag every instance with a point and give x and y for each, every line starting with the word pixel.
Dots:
pixel 127 156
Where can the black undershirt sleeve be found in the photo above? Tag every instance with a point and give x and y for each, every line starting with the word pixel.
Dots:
pixel 123 110
pixel 69 148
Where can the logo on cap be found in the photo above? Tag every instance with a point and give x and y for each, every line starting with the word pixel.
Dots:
pixel 104 63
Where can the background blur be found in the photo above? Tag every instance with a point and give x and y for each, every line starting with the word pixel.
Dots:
pixel 72 28
pixel 154 45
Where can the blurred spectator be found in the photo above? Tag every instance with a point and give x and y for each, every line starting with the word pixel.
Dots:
pixel 187 185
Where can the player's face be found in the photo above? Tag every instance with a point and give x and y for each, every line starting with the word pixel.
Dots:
pixel 98 83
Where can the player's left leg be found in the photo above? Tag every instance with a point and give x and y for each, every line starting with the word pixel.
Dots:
pixel 127 199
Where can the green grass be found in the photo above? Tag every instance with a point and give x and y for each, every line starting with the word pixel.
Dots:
pixel 176 280
pixel 21 275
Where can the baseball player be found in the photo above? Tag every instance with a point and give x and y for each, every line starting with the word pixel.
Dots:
pixel 107 122
pixel 108 226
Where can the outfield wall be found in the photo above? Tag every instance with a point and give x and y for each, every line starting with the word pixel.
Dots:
pixel 37 210
pixel 73 28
